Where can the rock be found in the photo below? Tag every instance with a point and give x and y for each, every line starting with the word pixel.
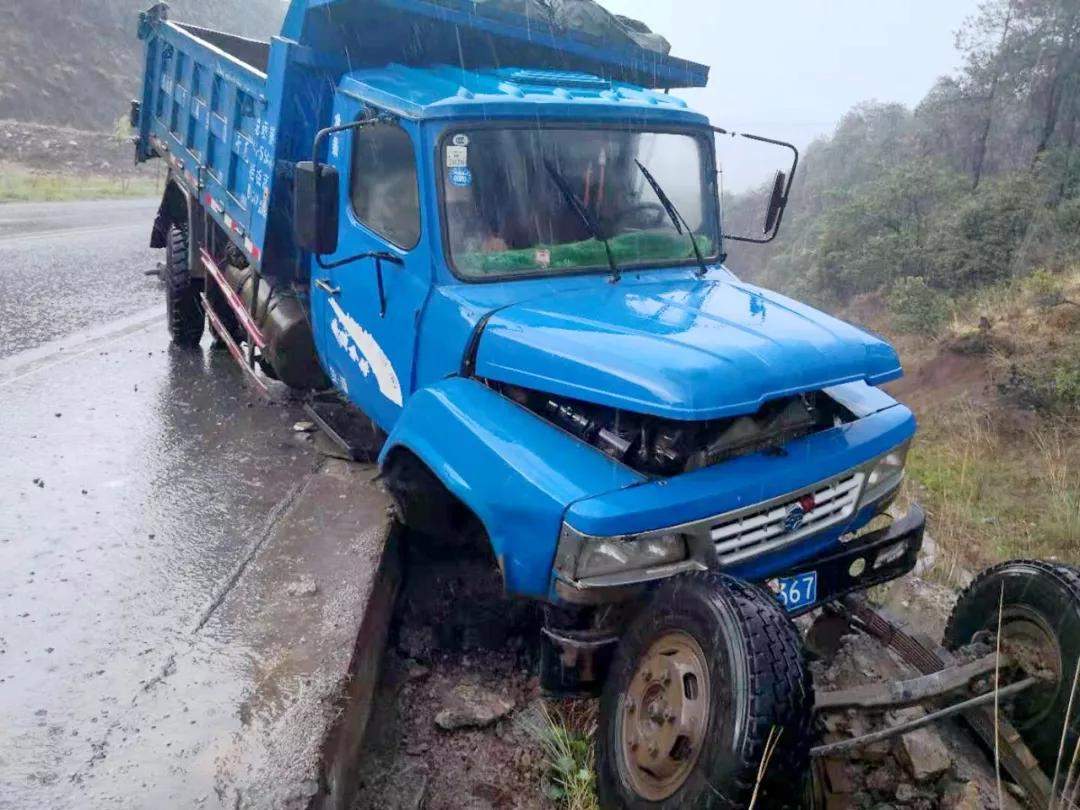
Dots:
pixel 472 706
pixel 838 774
pixel 925 755
pixel 905 792
pixel 304 427
pixel 966 798
pixel 882 780
pixel 305 586
pixel 417 672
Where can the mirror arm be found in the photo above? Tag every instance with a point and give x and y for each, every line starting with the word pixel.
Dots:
pixel 787 188
pixel 321 136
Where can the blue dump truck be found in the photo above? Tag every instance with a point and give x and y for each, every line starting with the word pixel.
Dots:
pixel 500 238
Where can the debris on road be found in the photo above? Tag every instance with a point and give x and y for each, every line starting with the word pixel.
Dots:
pixel 470 705
pixel 305 586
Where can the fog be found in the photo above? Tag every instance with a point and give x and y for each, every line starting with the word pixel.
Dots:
pixel 791 68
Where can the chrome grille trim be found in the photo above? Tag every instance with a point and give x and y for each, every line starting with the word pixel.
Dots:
pixel 760 528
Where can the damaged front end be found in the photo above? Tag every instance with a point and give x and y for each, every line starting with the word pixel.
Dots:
pixel 661 447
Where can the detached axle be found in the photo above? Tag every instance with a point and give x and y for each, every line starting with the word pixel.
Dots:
pixel 945 675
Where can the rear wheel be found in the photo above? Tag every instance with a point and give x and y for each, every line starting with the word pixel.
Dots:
pixel 703 679
pixel 1040 613
pixel 182 306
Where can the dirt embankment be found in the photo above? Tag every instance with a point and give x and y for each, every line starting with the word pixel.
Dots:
pixel 447 731
pixel 63 150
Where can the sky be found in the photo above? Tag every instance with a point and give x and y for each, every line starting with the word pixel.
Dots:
pixel 790 69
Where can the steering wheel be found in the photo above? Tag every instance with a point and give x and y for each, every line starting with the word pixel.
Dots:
pixel 643 215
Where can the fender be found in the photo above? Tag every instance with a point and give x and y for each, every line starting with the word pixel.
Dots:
pixel 516 472
pixel 179 204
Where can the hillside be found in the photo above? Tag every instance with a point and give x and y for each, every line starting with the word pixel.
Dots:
pixel 954 229
pixel 76 63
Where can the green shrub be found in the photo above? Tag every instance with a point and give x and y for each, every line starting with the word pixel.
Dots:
pixel 918 308
pixel 1067 384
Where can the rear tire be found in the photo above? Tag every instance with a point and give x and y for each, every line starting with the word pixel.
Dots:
pixel 722 658
pixel 183 309
pixel 1041 603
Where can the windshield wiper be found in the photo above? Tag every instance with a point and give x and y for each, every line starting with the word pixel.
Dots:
pixel 676 217
pixel 578 207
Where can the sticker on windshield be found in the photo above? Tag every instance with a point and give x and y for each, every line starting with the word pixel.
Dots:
pixel 461 139
pixel 461 177
pixel 457 157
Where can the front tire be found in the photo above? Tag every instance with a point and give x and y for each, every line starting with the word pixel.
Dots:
pixel 1040 607
pixel 707 672
pixel 183 309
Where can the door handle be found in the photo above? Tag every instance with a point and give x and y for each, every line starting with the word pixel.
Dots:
pixel 327 288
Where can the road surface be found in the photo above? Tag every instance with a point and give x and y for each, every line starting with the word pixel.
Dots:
pixel 138 481
pixel 65 267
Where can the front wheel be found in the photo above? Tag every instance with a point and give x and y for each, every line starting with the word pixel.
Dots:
pixel 705 681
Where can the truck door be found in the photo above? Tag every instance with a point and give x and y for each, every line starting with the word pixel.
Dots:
pixel 369 308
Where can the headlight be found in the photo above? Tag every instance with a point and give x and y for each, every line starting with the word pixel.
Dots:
pixel 581 557
pixel 599 557
pixel 885 474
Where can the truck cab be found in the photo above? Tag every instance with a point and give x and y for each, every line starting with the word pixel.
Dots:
pixel 586 392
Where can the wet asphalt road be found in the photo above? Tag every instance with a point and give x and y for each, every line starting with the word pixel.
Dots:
pixel 134 479
pixel 65 267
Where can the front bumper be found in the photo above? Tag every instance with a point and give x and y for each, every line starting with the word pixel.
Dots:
pixel 872 559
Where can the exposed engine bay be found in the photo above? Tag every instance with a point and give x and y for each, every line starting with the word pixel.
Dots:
pixel 663 447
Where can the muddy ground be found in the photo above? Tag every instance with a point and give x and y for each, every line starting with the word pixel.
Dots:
pixel 453 634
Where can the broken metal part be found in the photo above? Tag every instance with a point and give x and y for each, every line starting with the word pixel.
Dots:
pixel 577 646
pixel 903 728
pixel 231 345
pixel 927 657
pixel 898 694
pixel 656 446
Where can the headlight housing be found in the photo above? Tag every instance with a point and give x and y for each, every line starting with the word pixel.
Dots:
pixel 618 560
pixel 885 474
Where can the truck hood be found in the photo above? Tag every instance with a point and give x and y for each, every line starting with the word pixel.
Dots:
pixel 678 349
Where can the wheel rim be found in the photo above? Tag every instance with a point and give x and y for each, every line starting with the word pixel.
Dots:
pixel 664 716
pixel 1030 637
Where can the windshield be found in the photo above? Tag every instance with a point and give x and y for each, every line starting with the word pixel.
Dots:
pixel 506 215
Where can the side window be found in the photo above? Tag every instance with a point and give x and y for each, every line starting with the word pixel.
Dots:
pixel 384 188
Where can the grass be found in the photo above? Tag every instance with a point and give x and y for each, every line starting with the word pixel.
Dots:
pixel 997 459
pixel 992 497
pixel 18 184
pixel 565 735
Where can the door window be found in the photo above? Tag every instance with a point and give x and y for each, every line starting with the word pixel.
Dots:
pixel 385 191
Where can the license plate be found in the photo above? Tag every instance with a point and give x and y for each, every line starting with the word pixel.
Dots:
pixel 799 591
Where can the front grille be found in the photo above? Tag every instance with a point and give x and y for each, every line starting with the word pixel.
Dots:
pixel 756 530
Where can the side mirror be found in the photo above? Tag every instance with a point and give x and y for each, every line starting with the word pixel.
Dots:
pixel 777 202
pixel 315 207
pixel 779 195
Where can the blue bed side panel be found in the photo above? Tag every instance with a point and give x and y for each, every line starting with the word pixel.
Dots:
pixel 517 472
pixel 231 133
